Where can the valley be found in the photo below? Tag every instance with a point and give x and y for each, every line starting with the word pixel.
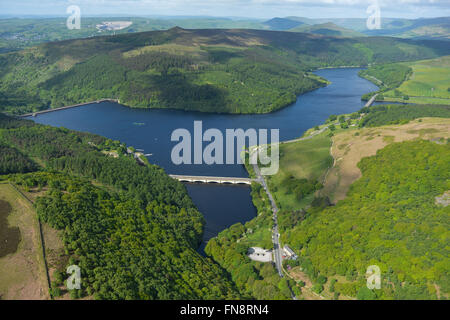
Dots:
pixel 93 176
pixel 211 70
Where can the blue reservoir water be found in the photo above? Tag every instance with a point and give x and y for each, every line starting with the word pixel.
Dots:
pixel 151 131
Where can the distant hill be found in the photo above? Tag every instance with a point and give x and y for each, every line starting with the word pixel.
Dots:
pixel 16 34
pixel 432 29
pixel 209 70
pixel 328 29
pixel 435 28
pixel 438 31
pixel 424 28
pixel 282 24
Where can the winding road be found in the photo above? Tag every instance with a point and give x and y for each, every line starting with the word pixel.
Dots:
pixel 260 178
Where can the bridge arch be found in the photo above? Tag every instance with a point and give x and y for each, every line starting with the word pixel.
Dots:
pixel 214 180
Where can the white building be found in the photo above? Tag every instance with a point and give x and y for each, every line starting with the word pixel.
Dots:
pixel 289 253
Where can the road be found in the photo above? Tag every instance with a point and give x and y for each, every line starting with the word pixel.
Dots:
pixel 308 137
pixel 371 101
pixel 275 233
pixel 259 177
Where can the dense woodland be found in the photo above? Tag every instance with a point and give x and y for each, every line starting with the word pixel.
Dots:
pixel 134 234
pixel 231 71
pixel 400 114
pixel 136 224
pixel 12 161
pixel 301 188
pixel 389 219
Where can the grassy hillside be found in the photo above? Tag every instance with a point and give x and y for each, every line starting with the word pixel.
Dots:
pixel 440 31
pixel 321 237
pixel 232 71
pixel 304 160
pixel 429 82
pixel 350 146
pixel 426 81
pixel 328 29
pixel 22 268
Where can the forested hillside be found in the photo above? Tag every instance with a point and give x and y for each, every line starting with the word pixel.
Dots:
pixel 328 29
pixel 132 229
pixel 387 76
pixel 232 71
pixel 389 219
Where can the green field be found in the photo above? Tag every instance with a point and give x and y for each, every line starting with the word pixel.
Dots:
pixel 307 159
pixel 22 270
pixel 429 83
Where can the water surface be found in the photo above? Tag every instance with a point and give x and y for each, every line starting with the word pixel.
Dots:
pixel 151 131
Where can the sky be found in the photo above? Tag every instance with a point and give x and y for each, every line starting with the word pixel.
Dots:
pixel 261 9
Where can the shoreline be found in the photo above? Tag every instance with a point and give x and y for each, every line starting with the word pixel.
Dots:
pixel 327 83
pixel 341 67
pixel 33 114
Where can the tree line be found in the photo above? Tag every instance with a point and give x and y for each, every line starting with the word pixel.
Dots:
pixel 134 234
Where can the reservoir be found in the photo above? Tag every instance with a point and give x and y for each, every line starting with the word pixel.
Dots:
pixel 151 130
